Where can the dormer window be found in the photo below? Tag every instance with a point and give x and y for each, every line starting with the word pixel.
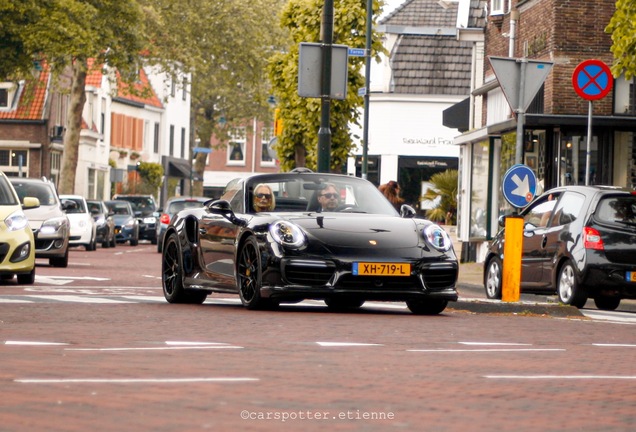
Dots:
pixel 7 93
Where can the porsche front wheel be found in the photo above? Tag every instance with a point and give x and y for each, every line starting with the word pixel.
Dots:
pixel 248 276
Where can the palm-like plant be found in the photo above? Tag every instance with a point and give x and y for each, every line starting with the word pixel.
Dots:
pixel 445 186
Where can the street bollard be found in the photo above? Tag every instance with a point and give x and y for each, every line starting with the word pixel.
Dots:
pixel 511 273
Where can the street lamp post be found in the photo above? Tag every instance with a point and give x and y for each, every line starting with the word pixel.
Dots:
pixel 324 133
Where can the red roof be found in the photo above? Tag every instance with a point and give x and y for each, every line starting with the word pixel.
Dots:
pixel 142 87
pixel 32 99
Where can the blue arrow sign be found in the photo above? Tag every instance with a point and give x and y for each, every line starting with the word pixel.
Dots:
pixel 519 185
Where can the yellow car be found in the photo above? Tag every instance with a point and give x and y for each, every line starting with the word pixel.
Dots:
pixel 17 248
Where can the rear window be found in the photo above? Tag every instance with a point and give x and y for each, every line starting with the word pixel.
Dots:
pixel 621 209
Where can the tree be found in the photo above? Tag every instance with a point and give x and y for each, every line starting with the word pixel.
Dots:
pixel 444 190
pixel 297 147
pixel 66 34
pixel 622 27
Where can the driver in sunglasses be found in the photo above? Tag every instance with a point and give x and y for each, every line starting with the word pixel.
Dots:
pixel 263 198
pixel 329 198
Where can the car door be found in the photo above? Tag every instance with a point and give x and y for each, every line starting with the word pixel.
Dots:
pixel 562 233
pixel 217 237
pixel 536 220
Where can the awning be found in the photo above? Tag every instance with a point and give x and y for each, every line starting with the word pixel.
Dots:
pixel 457 116
pixel 175 167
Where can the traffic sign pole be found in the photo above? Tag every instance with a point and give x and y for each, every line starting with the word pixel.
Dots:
pixel 592 80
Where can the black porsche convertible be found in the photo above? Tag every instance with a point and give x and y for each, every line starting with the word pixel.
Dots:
pixel 354 249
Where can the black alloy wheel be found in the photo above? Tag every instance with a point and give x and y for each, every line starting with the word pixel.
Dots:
pixel 172 276
pixel 248 276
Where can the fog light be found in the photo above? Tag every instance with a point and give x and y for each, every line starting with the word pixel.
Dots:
pixel 21 253
pixel 58 244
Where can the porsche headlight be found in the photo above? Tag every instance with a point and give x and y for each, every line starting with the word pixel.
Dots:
pixel 287 234
pixel 437 237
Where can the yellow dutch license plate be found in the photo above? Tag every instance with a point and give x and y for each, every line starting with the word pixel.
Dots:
pixel 381 269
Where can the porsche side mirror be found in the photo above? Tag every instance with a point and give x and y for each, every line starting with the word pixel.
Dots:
pixel 223 208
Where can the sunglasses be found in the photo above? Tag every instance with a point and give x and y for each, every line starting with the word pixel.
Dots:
pixel 330 195
pixel 263 195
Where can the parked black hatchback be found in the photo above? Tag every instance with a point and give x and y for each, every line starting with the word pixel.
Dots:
pixel 578 242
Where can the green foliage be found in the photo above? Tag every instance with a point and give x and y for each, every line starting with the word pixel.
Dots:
pixel 151 173
pixel 622 27
pixel 445 187
pixel 301 116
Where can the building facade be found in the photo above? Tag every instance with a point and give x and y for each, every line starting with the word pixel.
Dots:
pixel 427 71
pixel 554 142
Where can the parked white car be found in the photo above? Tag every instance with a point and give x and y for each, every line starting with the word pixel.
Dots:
pixel 83 227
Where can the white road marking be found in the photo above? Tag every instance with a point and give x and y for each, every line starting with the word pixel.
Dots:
pixel 494 343
pixel 562 377
pixel 187 343
pixel 614 345
pixel 80 299
pixel 78 278
pixel 488 350
pixel 346 344
pixel 610 316
pixel 33 343
pixel 129 380
pixel 157 348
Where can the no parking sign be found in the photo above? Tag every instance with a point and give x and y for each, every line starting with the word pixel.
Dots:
pixel 592 80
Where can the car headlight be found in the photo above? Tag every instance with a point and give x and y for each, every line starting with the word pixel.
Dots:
pixel 51 226
pixel 100 221
pixel 437 237
pixel 16 221
pixel 130 223
pixel 287 234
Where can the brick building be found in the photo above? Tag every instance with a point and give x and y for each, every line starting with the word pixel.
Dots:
pixel 563 33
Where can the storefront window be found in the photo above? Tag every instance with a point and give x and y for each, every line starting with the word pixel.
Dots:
pixel 479 194
pixel 573 160
pixel 507 160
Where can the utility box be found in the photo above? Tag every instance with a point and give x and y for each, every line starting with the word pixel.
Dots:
pixel 310 70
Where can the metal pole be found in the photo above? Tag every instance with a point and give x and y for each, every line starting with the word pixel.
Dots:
pixel 367 84
pixel 588 153
pixel 521 116
pixel 324 133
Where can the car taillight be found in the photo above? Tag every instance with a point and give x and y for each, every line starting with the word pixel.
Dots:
pixel 165 218
pixel 592 239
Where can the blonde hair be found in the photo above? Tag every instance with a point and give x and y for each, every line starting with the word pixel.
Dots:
pixel 272 201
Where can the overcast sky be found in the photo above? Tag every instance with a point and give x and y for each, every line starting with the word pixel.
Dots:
pixel 390 6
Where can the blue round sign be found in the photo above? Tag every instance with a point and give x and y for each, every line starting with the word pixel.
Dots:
pixel 519 185
pixel 592 79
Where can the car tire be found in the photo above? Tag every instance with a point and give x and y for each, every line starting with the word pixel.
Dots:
pixel 134 241
pixel 113 241
pixel 248 276
pixel 493 279
pixel 92 245
pixel 172 276
pixel 427 307
pixel 568 289
pixel 153 241
pixel 59 261
pixel 340 304
pixel 607 303
pixel 105 244
pixel 27 279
